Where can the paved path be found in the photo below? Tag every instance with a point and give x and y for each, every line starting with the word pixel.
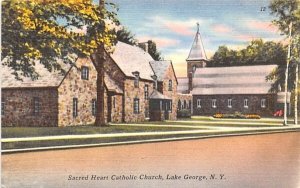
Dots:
pixel 258 161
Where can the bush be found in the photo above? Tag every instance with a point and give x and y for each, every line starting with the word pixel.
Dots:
pixel 184 113
pixel 237 115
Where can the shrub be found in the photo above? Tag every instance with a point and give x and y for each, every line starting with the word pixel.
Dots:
pixel 237 115
pixel 184 113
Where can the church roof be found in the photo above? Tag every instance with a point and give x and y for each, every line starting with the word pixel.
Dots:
pixel 158 95
pixel 160 68
pixel 131 59
pixel 232 80
pixel 197 51
pixel 183 85
pixel 45 79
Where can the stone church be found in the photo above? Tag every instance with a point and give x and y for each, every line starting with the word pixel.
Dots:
pixel 227 89
pixel 137 89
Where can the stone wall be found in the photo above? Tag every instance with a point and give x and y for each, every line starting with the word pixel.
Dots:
pixel 19 107
pixel 130 93
pixel 185 101
pixel 75 87
pixel 116 111
pixel 170 75
pixel 254 104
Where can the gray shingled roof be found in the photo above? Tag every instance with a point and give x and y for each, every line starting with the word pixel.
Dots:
pixel 197 51
pixel 158 95
pixel 132 58
pixel 111 84
pixel 232 80
pixel 160 68
pixel 183 85
pixel 46 78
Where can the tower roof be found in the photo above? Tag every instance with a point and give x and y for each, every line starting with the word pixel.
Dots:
pixel 197 51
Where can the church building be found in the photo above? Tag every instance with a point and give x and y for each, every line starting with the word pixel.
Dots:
pixel 226 89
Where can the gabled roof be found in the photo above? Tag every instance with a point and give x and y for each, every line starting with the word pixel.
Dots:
pixel 131 59
pixel 197 51
pixel 183 85
pixel 158 95
pixel 232 80
pixel 46 78
pixel 160 69
pixel 111 85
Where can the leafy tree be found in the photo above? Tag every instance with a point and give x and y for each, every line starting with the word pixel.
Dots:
pixel 124 35
pixel 152 50
pixel 257 52
pixel 42 31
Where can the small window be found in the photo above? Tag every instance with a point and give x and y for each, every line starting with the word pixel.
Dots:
pixel 263 103
pixel 36 105
pixel 170 85
pixel 84 73
pixel 171 106
pixel 94 107
pixel 160 105
pixel 136 106
pixel 229 103
pixel 198 103
pixel 2 107
pixel 75 107
pixel 146 92
pixel 114 102
pixel 194 68
pixel 214 103
pixel 136 79
pixel 246 105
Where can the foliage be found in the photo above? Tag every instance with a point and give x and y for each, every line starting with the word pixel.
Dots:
pixel 124 35
pixel 237 115
pixel 257 52
pixel 46 30
pixel 184 113
pixel 152 50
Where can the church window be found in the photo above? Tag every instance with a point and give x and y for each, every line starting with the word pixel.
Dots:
pixel 170 85
pixel 198 103
pixel 229 101
pixel 214 103
pixel 263 103
pixel 246 103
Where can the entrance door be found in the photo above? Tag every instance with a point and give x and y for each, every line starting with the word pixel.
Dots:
pixel 109 108
pixel 166 108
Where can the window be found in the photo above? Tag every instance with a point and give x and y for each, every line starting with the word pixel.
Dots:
pixel 179 105
pixel 136 106
pixel 246 105
pixel 75 107
pixel 2 107
pixel 229 103
pixel 84 73
pixel 160 105
pixel 114 102
pixel 194 68
pixel 146 90
pixel 171 106
pixel 94 107
pixel 214 103
pixel 198 103
pixel 170 85
pixel 36 105
pixel 136 79
pixel 263 103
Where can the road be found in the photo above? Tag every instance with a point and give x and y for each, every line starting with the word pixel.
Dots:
pixel 257 161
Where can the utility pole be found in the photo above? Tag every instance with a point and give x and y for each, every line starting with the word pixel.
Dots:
pixel 287 74
pixel 297 46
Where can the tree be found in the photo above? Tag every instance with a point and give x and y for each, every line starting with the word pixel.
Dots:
pixel 152 50
pixel 124 35
pixel 288 20
pixel 44 30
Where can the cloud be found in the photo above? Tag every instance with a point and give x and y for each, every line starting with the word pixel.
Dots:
pixel 180 27
pixel 220 28
pixel 161 42
pixel 262 26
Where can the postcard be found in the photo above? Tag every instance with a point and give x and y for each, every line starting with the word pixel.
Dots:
pixel 157 93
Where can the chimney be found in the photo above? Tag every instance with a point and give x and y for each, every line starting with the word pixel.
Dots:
pixel 144 46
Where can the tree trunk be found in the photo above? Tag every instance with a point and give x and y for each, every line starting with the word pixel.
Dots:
pixel 99 64
pixel 296 95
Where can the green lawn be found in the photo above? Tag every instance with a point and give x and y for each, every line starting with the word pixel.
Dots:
pixel 16 132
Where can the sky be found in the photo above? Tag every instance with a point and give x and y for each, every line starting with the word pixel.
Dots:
pixel 172 24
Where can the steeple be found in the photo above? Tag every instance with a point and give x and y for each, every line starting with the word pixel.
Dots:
pixel 197 52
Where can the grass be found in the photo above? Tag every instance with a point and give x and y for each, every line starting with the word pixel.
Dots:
pixel 17 132
pixel 47 143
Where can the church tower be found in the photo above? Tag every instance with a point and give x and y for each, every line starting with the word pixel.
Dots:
pixel 196 59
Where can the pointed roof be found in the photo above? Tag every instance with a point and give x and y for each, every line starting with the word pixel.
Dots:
pixel 197 51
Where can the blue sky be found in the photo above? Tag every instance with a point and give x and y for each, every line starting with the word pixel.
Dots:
pixel 172 24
